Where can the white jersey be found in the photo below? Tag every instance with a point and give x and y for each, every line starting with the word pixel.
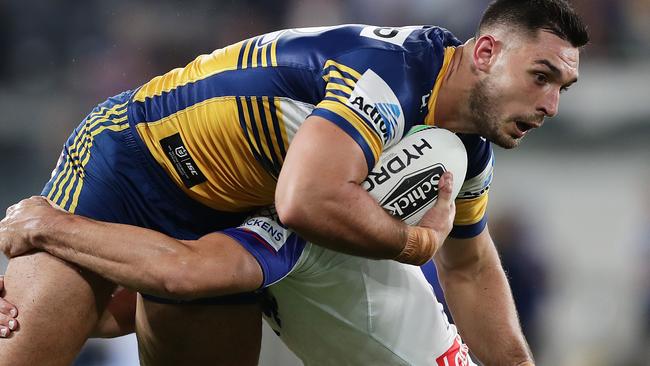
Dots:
pixel 337 309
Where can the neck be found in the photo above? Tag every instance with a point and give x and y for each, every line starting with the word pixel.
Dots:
pixel 453 96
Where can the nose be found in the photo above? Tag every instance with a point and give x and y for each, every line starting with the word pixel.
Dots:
pixel 550 103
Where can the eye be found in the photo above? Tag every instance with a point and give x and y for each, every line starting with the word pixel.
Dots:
pixel 563 89
pixel 541 78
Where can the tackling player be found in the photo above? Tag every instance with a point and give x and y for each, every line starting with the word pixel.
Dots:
pixel 317 296
pixel 189 152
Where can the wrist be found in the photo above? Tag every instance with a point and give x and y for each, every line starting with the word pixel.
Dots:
pixel 421 244
pixel 44 229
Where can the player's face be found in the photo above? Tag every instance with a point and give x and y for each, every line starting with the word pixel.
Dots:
pixel 523 87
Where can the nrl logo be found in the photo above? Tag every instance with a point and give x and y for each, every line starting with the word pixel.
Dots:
pixel 414 192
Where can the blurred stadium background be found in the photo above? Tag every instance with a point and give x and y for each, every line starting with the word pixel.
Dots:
pixel 570 209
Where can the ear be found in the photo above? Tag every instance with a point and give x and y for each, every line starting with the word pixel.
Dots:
pixel 486 48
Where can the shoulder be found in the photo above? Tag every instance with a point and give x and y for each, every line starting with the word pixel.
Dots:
pixel 480 165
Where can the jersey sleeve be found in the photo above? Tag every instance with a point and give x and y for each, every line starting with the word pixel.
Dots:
pixel 361 97
pixel 471 203
pixel 275 247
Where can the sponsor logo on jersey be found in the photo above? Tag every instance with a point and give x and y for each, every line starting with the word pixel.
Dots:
pixel 396 36
pixel 183 163
pixel 456 355
pixel 413 192
pixel 395 163
pixel 375 100
pixel 269 229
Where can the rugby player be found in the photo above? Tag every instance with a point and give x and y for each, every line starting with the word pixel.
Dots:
pixel 318 296
pixel 192 151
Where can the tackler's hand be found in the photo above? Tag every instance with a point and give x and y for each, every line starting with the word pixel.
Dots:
pixel 8 314
pixel 23 224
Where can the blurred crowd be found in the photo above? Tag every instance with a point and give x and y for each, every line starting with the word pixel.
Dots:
pixel 60 58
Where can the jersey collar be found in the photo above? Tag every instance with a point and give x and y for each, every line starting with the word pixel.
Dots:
pixel 431 104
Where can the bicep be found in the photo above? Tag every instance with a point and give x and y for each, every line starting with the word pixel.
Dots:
pixel 322 153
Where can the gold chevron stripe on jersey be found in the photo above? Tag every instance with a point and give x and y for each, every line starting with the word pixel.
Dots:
pixel 470 211
pixel 221 60
pixel 252 54
pixel 339 87
pixel 72 158
pixel 78 154
pixel 215 141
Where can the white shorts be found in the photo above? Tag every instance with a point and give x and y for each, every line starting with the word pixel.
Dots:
pixel 336 309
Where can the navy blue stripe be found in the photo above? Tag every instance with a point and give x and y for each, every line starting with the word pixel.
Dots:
pixel 276 126
pixel 266 162
pixel 88 138
pixel 479 153
pixel 249 60
pixel 345 74
pixel 241 54
pixel 340 82
pixel 350 130
pixel 67 183
pixel 257 154
pixel 62 173
pixel 268 54
pixel 339 92
pixel 267 135
pixel 77 181
pixel 468 231
pixel 259 81
pixel 259 56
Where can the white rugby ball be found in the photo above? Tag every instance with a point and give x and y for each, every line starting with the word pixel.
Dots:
pixel 405 179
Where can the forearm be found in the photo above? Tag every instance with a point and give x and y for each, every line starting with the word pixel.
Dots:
pixel 372 234
pixel 131 256
pixel 484 312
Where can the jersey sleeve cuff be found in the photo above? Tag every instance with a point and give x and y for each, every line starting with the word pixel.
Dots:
pixel 351 131
pixel 468 231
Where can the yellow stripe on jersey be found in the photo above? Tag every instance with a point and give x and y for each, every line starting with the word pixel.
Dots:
pixel 254 56
pixel 335 73
pixel 343 68
pixel 281 122
pixel 264 50
pixel 221 60
pixel 246 52
pixel 342 99
pixel 72 157
pixel 371 137
pixel 274 53
pixel 79 154
pixel 470 211
pixel 235 179
pixel 344 88
pixel 275 133
pixel 429 119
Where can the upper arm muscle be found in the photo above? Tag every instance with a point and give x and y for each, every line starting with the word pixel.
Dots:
pixel 320 156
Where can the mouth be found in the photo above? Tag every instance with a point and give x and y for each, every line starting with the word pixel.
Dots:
pixel 524 126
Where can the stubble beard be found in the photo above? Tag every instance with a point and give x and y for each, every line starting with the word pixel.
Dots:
pixel 485 118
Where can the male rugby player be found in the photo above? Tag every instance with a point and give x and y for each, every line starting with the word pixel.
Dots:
pixel 188 153
pixel 319 296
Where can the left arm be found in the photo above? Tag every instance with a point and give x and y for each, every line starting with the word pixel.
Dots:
pixel 480 300
pixel 136 258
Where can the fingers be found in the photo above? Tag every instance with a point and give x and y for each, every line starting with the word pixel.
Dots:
pixel 7 325
pixel 8 313
pixel 444 189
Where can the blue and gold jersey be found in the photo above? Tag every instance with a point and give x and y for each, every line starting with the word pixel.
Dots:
pixel 221 126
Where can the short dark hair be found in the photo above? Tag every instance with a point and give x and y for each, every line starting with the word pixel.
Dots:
pixel 555 16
